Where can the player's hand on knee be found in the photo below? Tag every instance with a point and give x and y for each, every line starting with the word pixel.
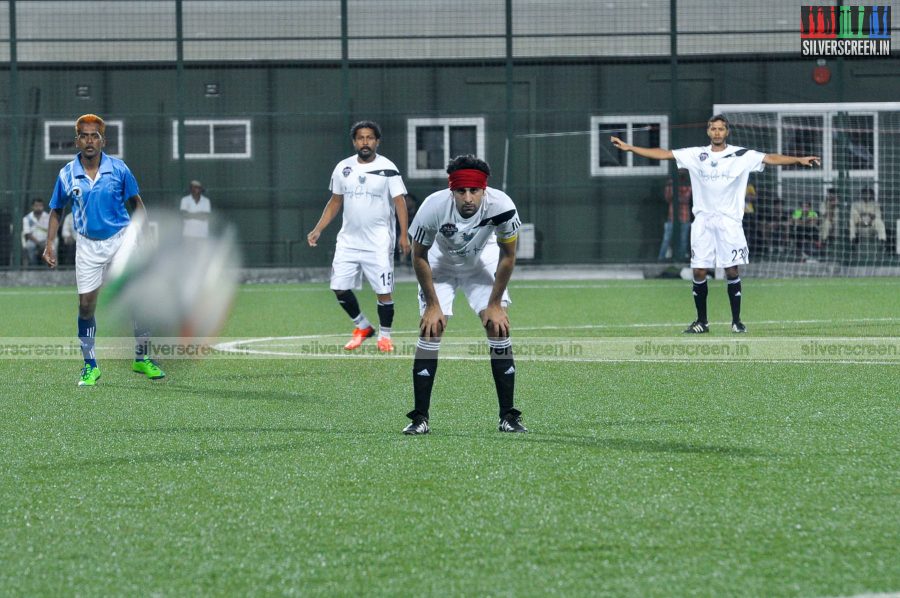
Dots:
pixel 433 322
pixel 495 321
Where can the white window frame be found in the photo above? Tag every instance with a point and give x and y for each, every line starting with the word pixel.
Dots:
pixel 828 169
pixel 210 123
pixel 120 138
pixel 629 120
pixel 827 172
pixel 825 154
pixel 871 173
pixel 436 173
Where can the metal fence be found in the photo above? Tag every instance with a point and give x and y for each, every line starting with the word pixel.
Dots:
pixel 255 99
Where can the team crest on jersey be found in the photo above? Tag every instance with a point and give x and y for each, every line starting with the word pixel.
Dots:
pixel 76 192
pixel 448 230
pixel 704 156
pixel 346 172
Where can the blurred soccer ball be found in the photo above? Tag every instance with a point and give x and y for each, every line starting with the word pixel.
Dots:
pixel 172 285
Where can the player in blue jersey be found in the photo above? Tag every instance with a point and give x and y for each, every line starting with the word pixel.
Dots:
pixel 98 187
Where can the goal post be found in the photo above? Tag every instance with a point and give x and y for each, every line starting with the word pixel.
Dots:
pixel 838 219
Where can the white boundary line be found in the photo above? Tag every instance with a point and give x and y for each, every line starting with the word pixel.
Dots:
pixel 239 348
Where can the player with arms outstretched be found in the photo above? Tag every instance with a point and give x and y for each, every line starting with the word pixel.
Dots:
pixel 719 174
pixel 464 238
pixel 371 192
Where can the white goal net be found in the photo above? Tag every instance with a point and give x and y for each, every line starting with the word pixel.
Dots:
pixel 840 219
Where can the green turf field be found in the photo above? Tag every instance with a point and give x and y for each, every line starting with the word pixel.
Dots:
pixel 283 475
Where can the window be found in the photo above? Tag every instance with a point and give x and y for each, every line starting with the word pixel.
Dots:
pixel 59 139
pixel 433 142
pixel 212 139
pixel 844 140
pixel 853 146
pixel 645 131
pixel 802 135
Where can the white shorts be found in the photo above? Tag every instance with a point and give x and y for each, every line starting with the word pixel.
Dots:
pixel 476 283
pixel 350 265
pixel 718 242
pixel 93 258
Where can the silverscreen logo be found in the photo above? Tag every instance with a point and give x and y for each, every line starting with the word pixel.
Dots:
pixel 845 31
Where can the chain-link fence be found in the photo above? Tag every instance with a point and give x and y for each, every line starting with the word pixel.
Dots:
pixel 255 100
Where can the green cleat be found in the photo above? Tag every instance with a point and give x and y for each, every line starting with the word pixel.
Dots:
pixel 89 375
pixel 147 367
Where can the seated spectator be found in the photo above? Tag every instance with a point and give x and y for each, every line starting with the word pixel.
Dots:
pixel 865 218
pixel 34 233
pixel 805 226
pixel 67 249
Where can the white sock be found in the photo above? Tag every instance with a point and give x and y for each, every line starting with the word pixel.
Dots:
pixel 361 321
pixel 384 332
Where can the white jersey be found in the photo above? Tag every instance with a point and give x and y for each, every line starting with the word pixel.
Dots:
pixel 368 190
pixel 194 227
pixel 719 179
pixel 458 241
pixel 36 227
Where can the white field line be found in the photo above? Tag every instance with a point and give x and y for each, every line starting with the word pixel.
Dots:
pixel 239 347
pixel 686 360
pixel 722 323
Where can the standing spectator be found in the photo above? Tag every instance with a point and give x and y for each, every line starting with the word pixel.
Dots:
pixel 412 205
pixel 195 211
pixel 34 232
pixel 865 218
pixel 774 227
pixel 830 222
pixel 684 219
pixel 751 217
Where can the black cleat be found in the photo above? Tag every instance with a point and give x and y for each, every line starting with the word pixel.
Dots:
pixel 697 327
pixel 418 425
pixel 738 328
pixel 512 422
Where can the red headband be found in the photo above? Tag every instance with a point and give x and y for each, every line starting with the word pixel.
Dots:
pixel 468 178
